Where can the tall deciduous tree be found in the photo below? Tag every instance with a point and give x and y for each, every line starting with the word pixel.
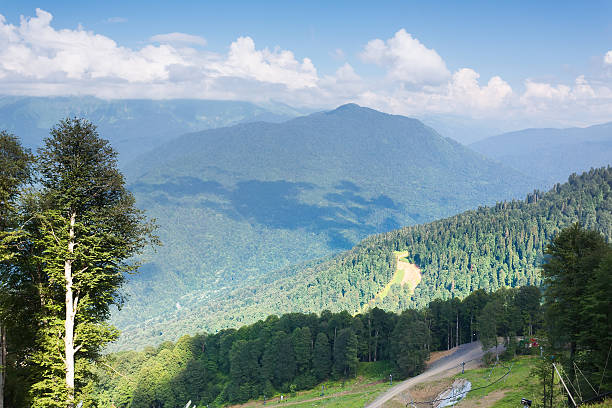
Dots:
pixel 15 166
pixel 91 229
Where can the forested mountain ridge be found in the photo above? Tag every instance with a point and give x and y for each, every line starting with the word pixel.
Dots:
pixel 235 204
pixel 486 248
pixel 552 154
pixel 133 126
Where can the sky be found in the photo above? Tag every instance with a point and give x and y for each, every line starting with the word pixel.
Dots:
pixel 512 64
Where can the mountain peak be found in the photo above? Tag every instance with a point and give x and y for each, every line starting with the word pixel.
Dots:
pixel 350 108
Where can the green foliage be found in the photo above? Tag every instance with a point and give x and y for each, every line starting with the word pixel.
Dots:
pixel 277 355
pixel 578 279
pixel 78 231
pixel 330 179
pixel 87 224
pixel 17 305
pixel 345 353
pixel 321 358
pixel 410 344
pixel 488 248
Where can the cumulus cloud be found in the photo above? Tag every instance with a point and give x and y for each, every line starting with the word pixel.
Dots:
pixel 36 55
pixel 347 73
pixel 465 89
pixel 36 50
pixel 278 66
pixel 38 59
pixel 538 93
pixel 406 59
pixel 461 94
pixel 178 38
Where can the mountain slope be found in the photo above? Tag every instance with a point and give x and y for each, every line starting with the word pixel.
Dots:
pixel 487 248
pixel 132 125
pixel 236 203
pixel 552 154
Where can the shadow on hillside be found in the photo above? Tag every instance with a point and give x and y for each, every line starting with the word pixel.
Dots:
pixel 279 205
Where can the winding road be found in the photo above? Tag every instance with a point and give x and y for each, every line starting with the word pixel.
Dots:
pixel 470 353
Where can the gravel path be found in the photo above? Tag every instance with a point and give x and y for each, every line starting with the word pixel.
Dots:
pixel 469 353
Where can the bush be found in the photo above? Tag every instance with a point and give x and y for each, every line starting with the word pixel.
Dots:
pixel 489 358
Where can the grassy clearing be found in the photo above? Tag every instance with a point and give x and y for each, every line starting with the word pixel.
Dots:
pixel 397 279
pixel 354 392
pixel 371 381
pixel 505 393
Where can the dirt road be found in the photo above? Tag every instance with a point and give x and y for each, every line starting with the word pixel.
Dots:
pixel 470 353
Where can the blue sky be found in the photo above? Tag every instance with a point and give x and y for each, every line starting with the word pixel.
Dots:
pixel 549 56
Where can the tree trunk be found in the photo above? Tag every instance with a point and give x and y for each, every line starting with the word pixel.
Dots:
pixel 471 330
pixel 375 344
pixel 71 306
pixel 2 363
pixel 369 339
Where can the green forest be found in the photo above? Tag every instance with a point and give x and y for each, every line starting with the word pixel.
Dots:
pixel 235 204
pixel 297 351
pixel 571 322
pixel 71 234
pixel 487 248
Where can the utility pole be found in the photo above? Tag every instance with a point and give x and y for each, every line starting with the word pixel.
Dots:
pixel 457 334
pixel 2 363
pixel 552 383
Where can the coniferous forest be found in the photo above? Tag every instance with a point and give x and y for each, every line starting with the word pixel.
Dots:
pixel 297 351
pixel 70 233
pixel 487 248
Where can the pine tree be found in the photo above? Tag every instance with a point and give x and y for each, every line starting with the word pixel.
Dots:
pixel 345 353
pixel 409 343
pixel 321 357
pixel 577 304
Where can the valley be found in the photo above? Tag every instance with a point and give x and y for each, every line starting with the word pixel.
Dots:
pixel 330 179
pixel 308 204
pixel 487 248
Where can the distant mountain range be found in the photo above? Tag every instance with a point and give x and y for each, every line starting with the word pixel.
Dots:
pixel 551 154
pixel 236 203
pixel 133 126
pixel 247 202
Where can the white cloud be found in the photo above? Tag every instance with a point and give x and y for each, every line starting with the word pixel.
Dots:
pixel 35 50
pixel 347 73
pixel 608 58
pixel 406 59
pixel 278 66
pixel 179 39
pixel 67 61
pixel 38 59
pixel 462 94
pixel 538 94
pixel 539 90
pixel 464 89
